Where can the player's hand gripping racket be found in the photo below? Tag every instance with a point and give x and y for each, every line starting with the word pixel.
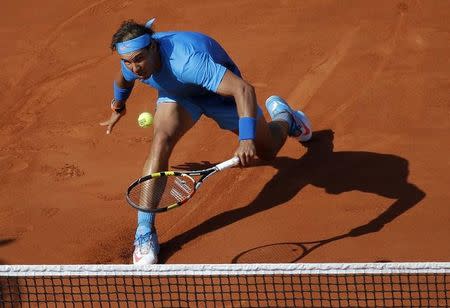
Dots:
pixel 163 191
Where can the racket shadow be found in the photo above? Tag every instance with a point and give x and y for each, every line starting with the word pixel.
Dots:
pixel 282 252
pixel 336 172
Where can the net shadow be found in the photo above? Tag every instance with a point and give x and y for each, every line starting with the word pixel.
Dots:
pixel 4 242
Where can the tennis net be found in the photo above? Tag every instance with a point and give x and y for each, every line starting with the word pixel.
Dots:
pixel 227 285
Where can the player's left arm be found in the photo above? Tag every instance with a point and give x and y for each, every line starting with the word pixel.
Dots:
pixel 243 93
pixel 201 69
pixel 245 98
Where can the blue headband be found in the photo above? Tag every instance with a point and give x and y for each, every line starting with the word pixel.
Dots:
pixel 136 43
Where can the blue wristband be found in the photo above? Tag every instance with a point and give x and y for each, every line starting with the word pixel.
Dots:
pixel 247 128
pixel 121 94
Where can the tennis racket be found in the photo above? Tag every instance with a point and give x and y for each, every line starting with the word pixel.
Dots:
pixel 163 191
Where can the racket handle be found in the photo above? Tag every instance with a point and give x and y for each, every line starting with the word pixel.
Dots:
pixel 228 164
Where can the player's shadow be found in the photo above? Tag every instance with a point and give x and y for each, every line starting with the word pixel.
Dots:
pixel 337 172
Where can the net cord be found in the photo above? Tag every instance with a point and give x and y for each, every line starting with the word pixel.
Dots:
pixel 224 269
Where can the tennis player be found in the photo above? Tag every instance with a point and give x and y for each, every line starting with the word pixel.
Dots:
pixel 194 76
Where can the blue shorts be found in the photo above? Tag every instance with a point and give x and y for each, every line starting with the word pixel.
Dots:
pixel 221 109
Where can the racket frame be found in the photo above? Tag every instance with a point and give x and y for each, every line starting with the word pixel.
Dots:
pixel 205 173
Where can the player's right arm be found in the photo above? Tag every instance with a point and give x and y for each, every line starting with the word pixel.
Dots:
pixel 122 89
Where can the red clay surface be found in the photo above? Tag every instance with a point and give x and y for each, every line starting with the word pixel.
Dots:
pixel 375 74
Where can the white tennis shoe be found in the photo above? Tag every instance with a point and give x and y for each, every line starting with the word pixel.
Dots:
pixel 301 126
pixel 146 249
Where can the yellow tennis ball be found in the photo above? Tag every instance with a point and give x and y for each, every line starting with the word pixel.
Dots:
pixel 145 119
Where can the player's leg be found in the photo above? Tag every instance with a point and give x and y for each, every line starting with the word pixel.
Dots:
pixel 171 122
pixel 270 137
pixel 299 124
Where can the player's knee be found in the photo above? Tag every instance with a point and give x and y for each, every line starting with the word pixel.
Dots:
pixel 163 142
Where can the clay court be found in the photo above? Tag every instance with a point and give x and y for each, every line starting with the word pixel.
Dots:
pixel 371 186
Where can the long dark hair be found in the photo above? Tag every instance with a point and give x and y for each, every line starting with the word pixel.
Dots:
pixel 128 30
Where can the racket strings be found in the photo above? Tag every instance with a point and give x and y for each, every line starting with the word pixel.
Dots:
pixel 162 191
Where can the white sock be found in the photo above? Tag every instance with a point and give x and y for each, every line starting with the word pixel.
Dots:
pixel 145 223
